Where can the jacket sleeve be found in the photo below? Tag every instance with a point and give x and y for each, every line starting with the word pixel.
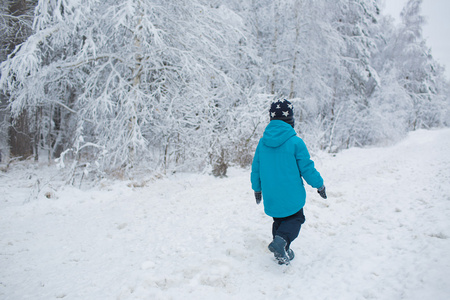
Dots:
pixel 306 166
pixel 255 175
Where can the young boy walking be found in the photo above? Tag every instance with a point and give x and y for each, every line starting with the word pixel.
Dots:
pixel 281 161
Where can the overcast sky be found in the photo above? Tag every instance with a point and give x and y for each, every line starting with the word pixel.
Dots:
pixel 437 29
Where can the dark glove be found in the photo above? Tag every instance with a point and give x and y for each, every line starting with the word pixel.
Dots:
pixel 322 192
pixel 258 197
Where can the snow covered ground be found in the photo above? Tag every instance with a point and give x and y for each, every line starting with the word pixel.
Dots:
pixel 383 233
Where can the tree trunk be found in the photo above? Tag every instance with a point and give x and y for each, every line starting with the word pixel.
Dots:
pixel 274 46
pixel 297 38
pixel 19 139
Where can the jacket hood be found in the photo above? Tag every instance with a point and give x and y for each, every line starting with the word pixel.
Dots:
pixel 277 133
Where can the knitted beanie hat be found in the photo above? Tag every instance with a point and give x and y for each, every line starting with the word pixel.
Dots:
pixel 282 110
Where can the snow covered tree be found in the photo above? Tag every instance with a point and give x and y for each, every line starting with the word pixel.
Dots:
pixel 134 78
pixel 16 137
pixel 181 85
pixel 345 118
pixel 411 92
pixel 420 74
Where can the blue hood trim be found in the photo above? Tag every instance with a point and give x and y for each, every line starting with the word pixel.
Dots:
pixel 277 133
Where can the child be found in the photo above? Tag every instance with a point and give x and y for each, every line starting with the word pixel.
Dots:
pixel 281 161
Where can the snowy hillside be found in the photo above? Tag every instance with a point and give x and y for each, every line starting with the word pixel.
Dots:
pixel 383 233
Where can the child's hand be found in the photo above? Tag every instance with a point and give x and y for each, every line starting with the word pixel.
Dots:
pixel 258 197
pixel 322 192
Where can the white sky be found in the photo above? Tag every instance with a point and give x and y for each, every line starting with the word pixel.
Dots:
pixel 437 29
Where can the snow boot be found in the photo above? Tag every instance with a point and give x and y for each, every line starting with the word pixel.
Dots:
pixel 290 254
pixel 278 248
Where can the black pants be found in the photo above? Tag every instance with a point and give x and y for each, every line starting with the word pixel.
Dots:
pixel 288 227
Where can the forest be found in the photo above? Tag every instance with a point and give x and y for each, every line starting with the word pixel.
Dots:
pixel 116 87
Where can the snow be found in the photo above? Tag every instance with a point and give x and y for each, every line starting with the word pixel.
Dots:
pixel 383 232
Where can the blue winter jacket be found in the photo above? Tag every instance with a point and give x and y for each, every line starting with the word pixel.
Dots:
pixel 281 160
